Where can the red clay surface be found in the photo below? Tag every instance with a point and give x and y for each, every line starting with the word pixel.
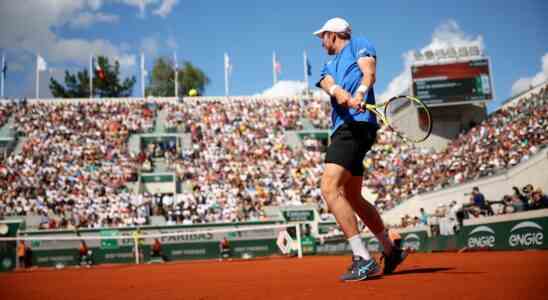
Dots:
pixel 477 275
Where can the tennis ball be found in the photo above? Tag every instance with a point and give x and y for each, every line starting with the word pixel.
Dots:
pixel 193 93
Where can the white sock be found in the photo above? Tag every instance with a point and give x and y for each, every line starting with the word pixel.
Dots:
pixel 386 242
pixel 358 249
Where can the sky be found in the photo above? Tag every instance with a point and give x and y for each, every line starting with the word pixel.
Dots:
pixel 514 34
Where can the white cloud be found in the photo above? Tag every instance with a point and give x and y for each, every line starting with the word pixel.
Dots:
pixel 28 27
pixel 36 33
pixel 140 4
pixel 166 8
pixel 95 4
pixel 86 19
pixel 525 83
pixel 285 88
pixel 163 7
pixel 288 88
pixel 448 34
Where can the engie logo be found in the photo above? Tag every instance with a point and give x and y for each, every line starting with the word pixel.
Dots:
pixel 526 234
pixel 373 245
pixel 481 237
pixel 412 241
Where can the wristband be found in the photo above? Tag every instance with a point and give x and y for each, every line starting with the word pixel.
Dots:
pixel 332 89
pixel 362 89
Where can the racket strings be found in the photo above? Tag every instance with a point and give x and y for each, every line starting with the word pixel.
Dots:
pixel 409 118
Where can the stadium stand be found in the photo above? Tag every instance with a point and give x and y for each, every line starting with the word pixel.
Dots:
pixel 233 143
pixel 522 199
pixel 74 167
pixel 509 136
pixel 74 164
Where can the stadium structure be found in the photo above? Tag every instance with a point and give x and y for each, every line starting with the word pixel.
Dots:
pixel 119 173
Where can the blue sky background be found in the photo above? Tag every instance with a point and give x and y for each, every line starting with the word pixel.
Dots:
pixel 514 34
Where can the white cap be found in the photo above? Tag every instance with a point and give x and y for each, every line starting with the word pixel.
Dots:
pixel 334 25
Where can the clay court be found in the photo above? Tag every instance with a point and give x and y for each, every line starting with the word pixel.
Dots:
pixel 476 275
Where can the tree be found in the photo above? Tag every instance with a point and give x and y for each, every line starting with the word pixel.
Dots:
pixel 162 79
pixel 77 85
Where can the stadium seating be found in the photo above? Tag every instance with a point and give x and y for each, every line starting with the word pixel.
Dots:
pixel 509 136
pixel 74 165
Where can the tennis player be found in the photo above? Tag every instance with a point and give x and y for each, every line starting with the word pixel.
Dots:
pixel 348 78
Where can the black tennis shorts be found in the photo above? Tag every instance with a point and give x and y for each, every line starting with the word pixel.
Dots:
pixel 349 144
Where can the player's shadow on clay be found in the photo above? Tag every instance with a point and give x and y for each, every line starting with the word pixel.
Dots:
pixel 421 271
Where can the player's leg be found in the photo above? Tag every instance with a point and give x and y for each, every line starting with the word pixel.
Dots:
pixel 367 212
pixel 332 181
pixel 393 256
pixel 332 187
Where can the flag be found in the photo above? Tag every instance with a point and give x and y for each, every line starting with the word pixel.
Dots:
pixel 98 70
pixel 41 64
pixel 4 67
pixel 228 64
pixel 308 67
pixel 228 70
pixel 277 66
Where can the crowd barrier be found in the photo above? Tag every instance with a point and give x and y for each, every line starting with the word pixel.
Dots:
pixel 523 230
pixel 517 231
pixel 179 242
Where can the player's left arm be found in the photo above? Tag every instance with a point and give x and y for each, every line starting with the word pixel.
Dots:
pixel 368 67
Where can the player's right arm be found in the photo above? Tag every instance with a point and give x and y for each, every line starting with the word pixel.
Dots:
pixel 342 97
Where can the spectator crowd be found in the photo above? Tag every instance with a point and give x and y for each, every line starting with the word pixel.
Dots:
pixel 447 219
pixel 396 171
pixel 74 164
pixel 74 167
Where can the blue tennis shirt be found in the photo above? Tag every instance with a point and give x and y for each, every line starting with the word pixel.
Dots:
pixel 344 69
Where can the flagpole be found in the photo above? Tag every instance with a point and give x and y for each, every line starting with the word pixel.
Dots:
pixel 274 75
pixel 37 78
pixel 227 65
pixel 176 75
pixel 143 74
pixel 90 76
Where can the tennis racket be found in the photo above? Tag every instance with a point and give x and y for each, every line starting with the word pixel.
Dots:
pixel 407 116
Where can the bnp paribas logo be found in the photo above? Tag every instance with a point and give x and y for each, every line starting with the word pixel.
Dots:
pixel 412 242
pixel 481 237
pixel 526 234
